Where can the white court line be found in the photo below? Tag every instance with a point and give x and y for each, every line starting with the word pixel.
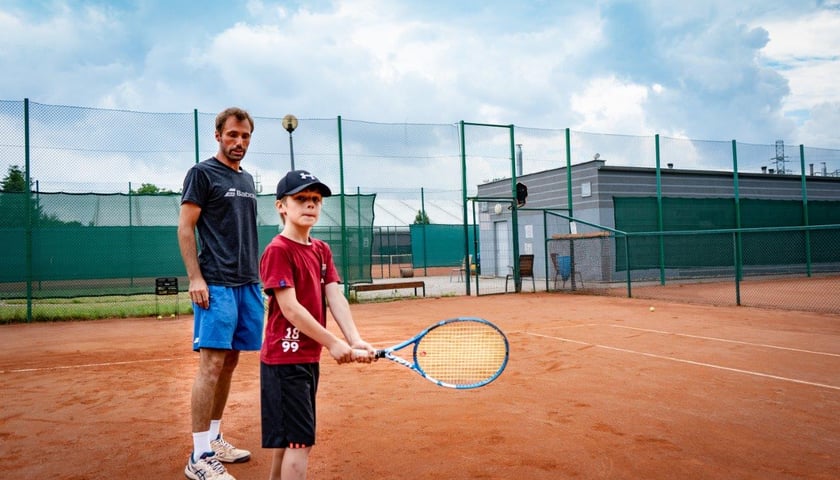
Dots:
pixel 86 365
pixel 525 332
pixel 690 362
pixel 716 339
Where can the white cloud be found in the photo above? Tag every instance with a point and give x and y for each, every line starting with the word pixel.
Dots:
pixel 813 82
pixel 814 35
pixel 821 128
pixel 610 105
pixel 754 71
pixel 806 51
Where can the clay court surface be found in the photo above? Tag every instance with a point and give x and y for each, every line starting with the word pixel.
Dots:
pixel 596 387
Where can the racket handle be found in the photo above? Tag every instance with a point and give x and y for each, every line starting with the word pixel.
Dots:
pixel 358 352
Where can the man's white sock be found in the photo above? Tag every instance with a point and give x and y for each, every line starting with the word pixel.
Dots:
pixel 215 429
pixel 201 444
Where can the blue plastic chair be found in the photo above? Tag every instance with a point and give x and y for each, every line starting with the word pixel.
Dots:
pixel 563 269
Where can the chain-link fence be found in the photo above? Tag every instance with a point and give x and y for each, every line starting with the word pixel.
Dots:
pixel 82 170
pixel 791 268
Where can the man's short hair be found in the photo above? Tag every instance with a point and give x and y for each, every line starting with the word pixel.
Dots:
pixel 237 112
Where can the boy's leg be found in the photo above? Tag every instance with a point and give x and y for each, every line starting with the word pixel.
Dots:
pixel 287 397
pixel 290 463
pixel 276 472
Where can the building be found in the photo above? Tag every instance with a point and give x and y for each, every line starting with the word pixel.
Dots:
pixel 606 197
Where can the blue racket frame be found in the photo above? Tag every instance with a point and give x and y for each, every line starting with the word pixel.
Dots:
pixel 415 366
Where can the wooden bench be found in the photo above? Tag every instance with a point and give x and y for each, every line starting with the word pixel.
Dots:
pixel 369 287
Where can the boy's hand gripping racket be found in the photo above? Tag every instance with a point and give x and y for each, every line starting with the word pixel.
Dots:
pixel 457 353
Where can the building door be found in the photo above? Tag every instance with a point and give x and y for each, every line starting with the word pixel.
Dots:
pixel 503 256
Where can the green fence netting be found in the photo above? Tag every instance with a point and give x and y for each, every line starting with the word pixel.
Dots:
pixel 437 245
pixel 639 214
pixel 95 244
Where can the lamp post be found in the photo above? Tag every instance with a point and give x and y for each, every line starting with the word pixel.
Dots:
pixel 290 123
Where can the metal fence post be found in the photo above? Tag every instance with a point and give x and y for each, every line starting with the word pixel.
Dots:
pixel 805 217
pixel 29 267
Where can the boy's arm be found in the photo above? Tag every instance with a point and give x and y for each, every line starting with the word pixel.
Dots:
pixel 340 310
pixel 300 317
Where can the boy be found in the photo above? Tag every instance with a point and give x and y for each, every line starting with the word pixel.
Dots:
pixel 301 280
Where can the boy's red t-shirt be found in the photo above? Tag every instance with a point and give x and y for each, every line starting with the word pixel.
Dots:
pixel 307 268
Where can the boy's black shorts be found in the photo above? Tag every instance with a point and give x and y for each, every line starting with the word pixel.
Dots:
pixel 287 398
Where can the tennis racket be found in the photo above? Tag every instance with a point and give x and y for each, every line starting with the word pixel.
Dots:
pixel 459 353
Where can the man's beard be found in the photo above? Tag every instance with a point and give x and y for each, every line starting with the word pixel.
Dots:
pixel 235 154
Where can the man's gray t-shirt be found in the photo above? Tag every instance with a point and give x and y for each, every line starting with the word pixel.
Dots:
pixel 227 227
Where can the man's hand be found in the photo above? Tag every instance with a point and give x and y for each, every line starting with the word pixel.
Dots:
pixel 200 293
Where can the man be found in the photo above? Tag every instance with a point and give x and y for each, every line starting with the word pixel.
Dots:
pixel 219 200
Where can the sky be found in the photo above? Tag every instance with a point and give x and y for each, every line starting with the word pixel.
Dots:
pixel 752 70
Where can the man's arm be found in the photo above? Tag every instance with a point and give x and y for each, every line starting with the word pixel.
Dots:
pixel 187 220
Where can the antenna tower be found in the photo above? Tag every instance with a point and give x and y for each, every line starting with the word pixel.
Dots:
pixel 780 159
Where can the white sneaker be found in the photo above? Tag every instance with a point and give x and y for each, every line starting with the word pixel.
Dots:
pixel 207 467
pixel 225 452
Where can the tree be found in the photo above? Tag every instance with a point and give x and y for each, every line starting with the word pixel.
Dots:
pixel 421 218
pixel 151 189
pixel 13 202
pixel 14 180
pixel 13 198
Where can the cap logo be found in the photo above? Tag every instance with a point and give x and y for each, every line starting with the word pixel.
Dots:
pixel 305 175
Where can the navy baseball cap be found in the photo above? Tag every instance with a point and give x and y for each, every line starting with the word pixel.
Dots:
pixel 298 180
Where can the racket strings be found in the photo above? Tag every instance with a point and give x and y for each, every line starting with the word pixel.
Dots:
pixel 462 353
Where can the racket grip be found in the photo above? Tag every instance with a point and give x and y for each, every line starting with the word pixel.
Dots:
pixel 358 352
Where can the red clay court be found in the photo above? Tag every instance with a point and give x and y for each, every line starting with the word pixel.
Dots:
pixel 596 387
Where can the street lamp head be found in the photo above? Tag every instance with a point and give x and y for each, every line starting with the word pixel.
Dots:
pixel 290 123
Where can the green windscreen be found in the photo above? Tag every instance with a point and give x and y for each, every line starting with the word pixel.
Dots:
pixel 435 245
pixel 94 244
pixel 639 214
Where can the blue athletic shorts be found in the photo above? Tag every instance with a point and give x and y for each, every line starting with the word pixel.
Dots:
pixel 287 403
pixel 234 320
